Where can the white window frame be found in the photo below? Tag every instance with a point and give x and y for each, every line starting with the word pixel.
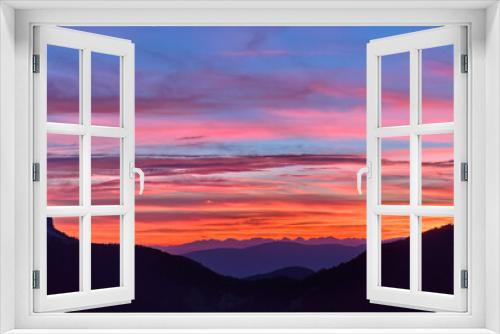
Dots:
pixel 413 44
pixel 483 18
pixel 85 44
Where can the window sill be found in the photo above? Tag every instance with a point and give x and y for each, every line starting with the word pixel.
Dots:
pixel 253 331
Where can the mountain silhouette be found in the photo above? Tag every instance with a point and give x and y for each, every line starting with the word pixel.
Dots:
pixel 172 283
pixel 296 273
pixel 272 256
pixel 63 254
pixel 201 245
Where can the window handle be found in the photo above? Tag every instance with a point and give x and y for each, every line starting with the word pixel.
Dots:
pixel 134 170
pixel 364 170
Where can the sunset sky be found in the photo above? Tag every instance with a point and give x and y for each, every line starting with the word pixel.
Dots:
pixel 247 132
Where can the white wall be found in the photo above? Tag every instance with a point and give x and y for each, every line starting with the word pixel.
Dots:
pixel 6 167
pixel 493 166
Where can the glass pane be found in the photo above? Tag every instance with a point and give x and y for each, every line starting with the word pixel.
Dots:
pixel 395 234
pixel 63 170
pixel 395 95
pixel 63 255
pixel 105 171
pixel 63 84
pixel 105 252
pixel 395 170
pixel 105 89
pixel 437 254
pixel 437 84
pixel 437 169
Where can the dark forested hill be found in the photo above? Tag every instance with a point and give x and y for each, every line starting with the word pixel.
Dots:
pixel 172 283
pixel 296 273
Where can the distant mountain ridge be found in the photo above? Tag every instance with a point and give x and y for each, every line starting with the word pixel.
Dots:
pixel 207 244
pixel 268 257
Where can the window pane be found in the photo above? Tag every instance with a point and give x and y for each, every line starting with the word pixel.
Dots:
pixel 105 89
pixel 63 84
pixel 105 171
pixel 63 170
pixel 437 84
pixel 437 252
pixel 395 170
pixel 63 255
pixel 105 252
pixel 395 95
pixel 395 234
pixel 437 169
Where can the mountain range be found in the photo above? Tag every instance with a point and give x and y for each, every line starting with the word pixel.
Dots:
pixel 201 245
pixel 272 256
pixel 173 283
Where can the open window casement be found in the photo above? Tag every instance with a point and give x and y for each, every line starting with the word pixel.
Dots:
pixel 404 112
pixel 54 136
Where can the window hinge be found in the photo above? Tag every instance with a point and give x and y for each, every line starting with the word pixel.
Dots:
pixel 464 279
pixel 36 279
pixel 36 172
pixel 36 63
pixel 464 171
pixel 465 63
